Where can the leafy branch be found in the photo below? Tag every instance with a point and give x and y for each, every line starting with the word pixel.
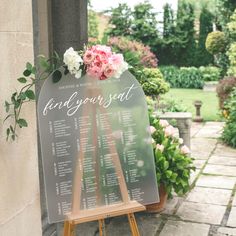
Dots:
pixel 31 75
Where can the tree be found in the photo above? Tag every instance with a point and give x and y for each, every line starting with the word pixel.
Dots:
pixel 185 34
pixel 225 9
pixel 92 24
pixel 144 25
pixel 168 21
pixel 120 21
pixel 206 26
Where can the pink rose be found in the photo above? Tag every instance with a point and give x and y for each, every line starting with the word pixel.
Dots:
pixel 164 123
pixel 88 57
pixel 109 71
pixel 184 150
pixel 160 147
pixel 169 131
pixel 94 71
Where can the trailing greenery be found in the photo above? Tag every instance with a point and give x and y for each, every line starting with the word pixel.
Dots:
pixel 184 77
pixel 153 83
pixel 229 132
pixel 173 165
pixel 30 77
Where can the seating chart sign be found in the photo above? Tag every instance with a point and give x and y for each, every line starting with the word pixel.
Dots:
pixel 96 146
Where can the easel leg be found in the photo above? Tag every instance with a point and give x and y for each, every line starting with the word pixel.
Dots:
pixel 133 225
pixel 102 231
pixel 69 229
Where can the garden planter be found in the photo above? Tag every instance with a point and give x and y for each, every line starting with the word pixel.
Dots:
pixel 160 206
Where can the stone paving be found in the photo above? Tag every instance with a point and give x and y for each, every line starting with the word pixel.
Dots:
pixel 209 209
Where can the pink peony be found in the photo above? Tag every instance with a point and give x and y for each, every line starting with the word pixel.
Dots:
pixel 160 147
pixel 164 123
pixel 184 150
pixel 169 131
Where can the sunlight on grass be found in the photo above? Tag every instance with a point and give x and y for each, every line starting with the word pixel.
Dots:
pixel 186 97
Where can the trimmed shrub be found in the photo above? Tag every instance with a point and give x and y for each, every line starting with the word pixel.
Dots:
pixel 153 82
pixel 210 73
pixel 184 77
pixel 216 42
pixel 229 132
pixel 224 88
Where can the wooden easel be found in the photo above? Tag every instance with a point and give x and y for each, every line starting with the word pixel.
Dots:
pixel 127 207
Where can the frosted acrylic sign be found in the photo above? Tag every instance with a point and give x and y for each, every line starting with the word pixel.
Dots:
pixel 96 146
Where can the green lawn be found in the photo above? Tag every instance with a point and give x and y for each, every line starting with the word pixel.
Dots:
pixel 186 97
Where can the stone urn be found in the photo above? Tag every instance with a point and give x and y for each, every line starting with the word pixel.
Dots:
pixel 160 206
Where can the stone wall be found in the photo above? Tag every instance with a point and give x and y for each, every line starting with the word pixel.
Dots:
pixel 19 194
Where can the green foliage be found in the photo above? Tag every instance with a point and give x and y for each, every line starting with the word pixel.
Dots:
pixel 210 73
pixel 186 33
pixel 144 24
pixel 231 27
pixel 26 94
pixel 203 57
pixel 231 53
pixel 225 9
pixel 216 42
pixel 153 83
pixel 229 132
pixel 184 77
pixel 120 21
pixel 173 167
pixel 92 24
pixel 178 45
pixel 168 21
pixel 224 89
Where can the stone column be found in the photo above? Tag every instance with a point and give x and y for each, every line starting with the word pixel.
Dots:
pixel 68 24
pixel 57 25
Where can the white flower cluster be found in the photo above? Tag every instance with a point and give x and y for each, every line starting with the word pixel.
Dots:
pixel 73 61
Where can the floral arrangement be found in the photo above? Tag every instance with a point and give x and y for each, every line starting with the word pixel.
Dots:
pixel 97 61
pixel 173 163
